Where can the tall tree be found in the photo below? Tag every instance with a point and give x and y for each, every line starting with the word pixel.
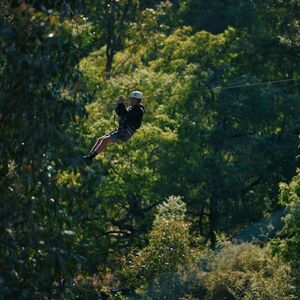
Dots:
pixel 112 19
pixel 38 102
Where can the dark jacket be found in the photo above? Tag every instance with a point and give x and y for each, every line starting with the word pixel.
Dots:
pixel 130 117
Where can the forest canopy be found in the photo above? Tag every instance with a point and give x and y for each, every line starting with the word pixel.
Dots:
pixel 202 202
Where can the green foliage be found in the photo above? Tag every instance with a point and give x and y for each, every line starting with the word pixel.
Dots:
pixel 158 266
pixel 225 133
pixel 222 149
pixel 216 16
pixel 288 246
pixel 173 209
pixel 169 263
pixel 247 272
pixel 283 17
pixel 290 197
pixel 38 102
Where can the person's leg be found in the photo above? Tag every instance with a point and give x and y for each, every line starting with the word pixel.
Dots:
pixel 92 151
pixel 103 144
pixel 98 142
pixel 99 146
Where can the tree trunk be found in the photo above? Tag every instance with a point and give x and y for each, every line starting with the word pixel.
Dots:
pixel 213 221
pixel 109 61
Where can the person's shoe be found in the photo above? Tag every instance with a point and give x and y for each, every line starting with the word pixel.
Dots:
pixel 87 160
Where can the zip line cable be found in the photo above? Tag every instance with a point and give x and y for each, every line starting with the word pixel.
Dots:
pixel 259 83
pixel 225 88
pixel 237 86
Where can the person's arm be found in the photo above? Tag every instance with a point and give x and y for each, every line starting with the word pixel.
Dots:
pixel 122 110
pixel 120 107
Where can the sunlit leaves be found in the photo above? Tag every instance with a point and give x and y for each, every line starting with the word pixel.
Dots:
pixel 159 263
pixel 290 197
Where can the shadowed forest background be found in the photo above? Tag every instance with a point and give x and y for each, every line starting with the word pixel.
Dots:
pixel 203 202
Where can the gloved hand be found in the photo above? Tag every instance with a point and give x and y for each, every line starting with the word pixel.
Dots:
pixel 121 99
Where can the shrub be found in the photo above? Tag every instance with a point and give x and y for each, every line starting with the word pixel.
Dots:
pixel 247 272
pixel 289 247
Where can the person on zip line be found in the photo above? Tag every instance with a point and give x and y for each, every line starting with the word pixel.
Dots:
pixel 130 120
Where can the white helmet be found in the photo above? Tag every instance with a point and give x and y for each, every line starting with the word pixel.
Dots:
pixel 136 94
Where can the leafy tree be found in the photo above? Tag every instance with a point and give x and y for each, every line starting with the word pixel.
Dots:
pixel 283 17
pixel 111 20
pixel 158 265
pixel 289 243
pixel 290 198
pixel 223 148
pixel 223 129
pixel 38 102
pixel 216 16
pixel 123 52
